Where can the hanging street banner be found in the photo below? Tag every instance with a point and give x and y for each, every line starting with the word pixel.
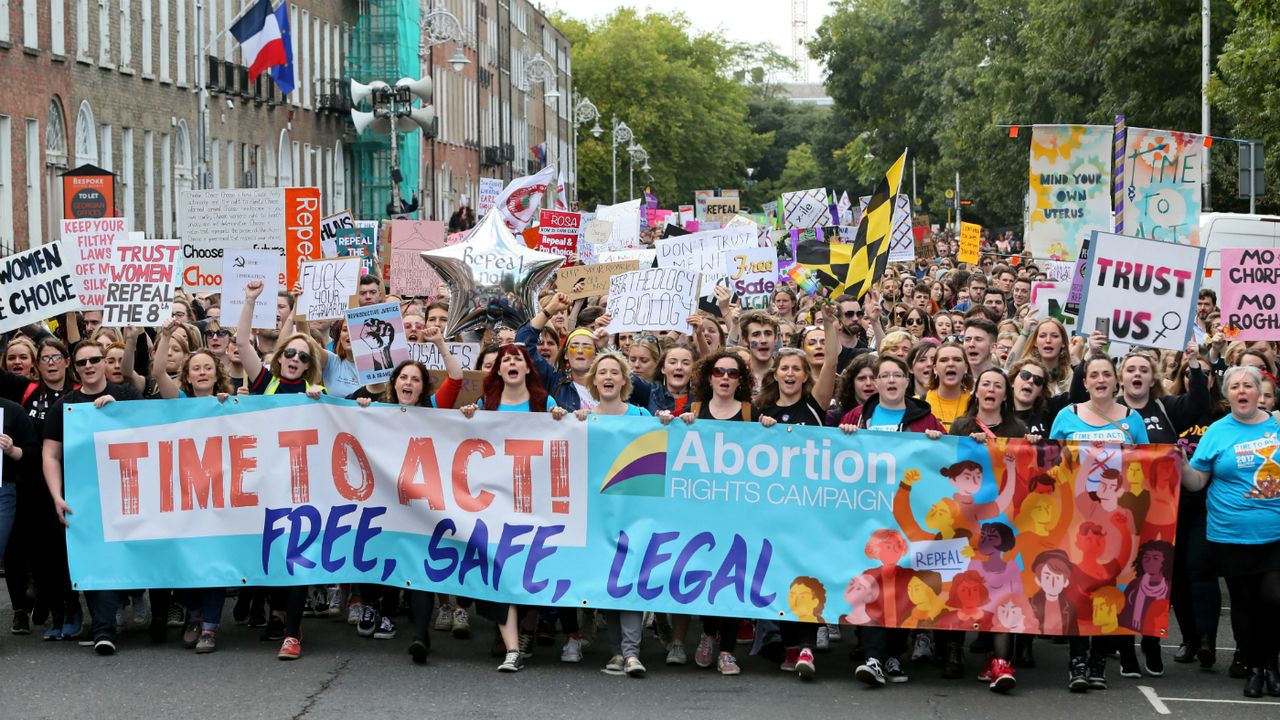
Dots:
pixel 1144 289
pixel 1070 188
pixel 522 508
pixel 1250 284
pixel 1162 185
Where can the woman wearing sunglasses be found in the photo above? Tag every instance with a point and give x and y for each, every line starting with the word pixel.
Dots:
pixel 295 368
pixel 919 324
pixel 723 381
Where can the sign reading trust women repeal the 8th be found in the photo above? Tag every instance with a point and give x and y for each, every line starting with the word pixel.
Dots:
pixel 718 518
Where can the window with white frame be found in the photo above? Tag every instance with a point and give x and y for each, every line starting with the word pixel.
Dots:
pixel 294 40
pixel 6 174
pixel 149 182
pixel 166 185
pixel 57 25
pixel 228 18
pixel 104 32
pixel 30 24
pixel 126 172
pixel 34 206
pixel 305 64
pixel 4 24
pixel 126 31
pixel 163 54
pixel 317 66
pixel 179 58
pixel 86 136
pixel 82 29
pixel 104 147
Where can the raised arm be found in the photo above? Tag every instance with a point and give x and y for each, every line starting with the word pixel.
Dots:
pixel 452 367
pixel 825 386
pixel 168 388
pixel 244 333
pixel 131 375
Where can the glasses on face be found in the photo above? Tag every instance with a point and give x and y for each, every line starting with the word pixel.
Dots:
pixel 891 376
pixel 50 359
pixel 953 339
pixel 853 313
pixel 219 333
pixel 731 373
pixel 585 350
pixel 302 355
pixel 915 321
pixel 96 359
pixel 1028 376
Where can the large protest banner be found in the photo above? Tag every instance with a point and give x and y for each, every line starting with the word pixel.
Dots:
pixel 210 221
pixel 519 507
pixel 377 340
pixel 1250 284
pixel 141 283
pixel 90 240
pixel 410 276
pixel 1145 289
pixel 1162 171
pixel 652 299
pixel 35 285
pixel 1070 188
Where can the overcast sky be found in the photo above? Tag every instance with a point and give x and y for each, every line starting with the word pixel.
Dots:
pixel 742 20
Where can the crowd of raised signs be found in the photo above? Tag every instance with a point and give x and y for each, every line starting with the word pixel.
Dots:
pixel 938 347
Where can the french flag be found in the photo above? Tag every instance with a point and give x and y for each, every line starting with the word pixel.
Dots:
pixel 262 39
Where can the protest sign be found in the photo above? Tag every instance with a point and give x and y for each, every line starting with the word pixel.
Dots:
pixel 1162 176
pixel 700 198
pixel 210 221
pixel 597 233
pixel 970 242
pixel 1058 270
pixel 703 252
pixel 901 240
pixel 805 209
pixel 428 354
pixel 377 340
pixel 1050 301
pixel 410 276
pixel 490 188
pixel 35 285
pixel 472 385
pixel 1146 290
pixel 1070 188
pixel 1077 279
pixel 644 258
pixel 573 504
pixel 652 299
pixel 329 231
pixel 90 240
pixel 1250 284
pixel 624 228
pixel 241 266
pixel 558 233
pixel 360 243
pixel 329 287
pixel 721 209
pixel 752 274
pixel 581 281
pixel 141 281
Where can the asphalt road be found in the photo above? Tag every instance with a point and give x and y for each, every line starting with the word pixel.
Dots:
pixel 345 676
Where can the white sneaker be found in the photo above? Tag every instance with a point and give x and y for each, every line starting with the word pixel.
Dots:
pixel 444 617
pixel 824 639
pixel 676 654
pixel 633 667
pixel 334 597
pixel 870 673
pixel 833 632
pixel 513 662
pixel 614 666
pixel 461 624
pixel 572 652
pixel 354 612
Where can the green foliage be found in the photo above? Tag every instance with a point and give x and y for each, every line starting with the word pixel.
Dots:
pixel 1247 90
pixel 673 86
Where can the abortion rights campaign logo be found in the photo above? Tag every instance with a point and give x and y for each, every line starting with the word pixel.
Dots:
pixel 640 468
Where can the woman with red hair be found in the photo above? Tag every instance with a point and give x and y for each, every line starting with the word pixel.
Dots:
pixel 513 385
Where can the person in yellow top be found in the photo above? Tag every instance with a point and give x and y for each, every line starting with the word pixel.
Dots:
pixel 949 393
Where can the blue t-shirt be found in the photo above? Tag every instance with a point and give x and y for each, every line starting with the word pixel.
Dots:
pixel 1244 491
pixel 521 407
pixel 1070 426
pixel 637 411
pixel 340 376
pixel 883 418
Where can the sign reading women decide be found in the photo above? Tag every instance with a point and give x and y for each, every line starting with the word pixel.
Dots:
pixel 716 518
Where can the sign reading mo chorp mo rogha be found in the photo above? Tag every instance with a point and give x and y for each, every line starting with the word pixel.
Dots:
pixel 728 519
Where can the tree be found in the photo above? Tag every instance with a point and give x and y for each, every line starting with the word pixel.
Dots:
pixel 1245 88
pixel 669 83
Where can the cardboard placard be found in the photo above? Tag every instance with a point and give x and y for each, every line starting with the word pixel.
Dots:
pixel 490 188
pixel 472 385
pixel 141 283
pixel 410 276
pixel 721 209
pixel 1250 284
pixel 359 243
pixel 38 284
pixel 428 354
pixel 752 274
pixel 970 242
pixel 558 233
pixel 329 231
pixel 580 281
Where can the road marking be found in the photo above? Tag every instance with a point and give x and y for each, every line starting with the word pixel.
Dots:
pixel 1154 699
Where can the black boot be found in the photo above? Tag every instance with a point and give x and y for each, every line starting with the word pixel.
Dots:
pixel 1097 672
pixel 1271 679
pixel 1022 655
pixel 1207 653
pixel 1077 675
pixel 1254 682
pixel 953 666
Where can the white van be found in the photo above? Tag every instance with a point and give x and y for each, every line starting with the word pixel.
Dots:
pixel 1233 230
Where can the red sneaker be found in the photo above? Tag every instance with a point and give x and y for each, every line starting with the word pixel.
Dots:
pixel 291 649
pixel 1002 679
pixel 746 632
pixel 985 676
pixel 805 666
pixel 789 664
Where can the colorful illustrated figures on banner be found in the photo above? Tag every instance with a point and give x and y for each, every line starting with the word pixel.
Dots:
pixel 715 518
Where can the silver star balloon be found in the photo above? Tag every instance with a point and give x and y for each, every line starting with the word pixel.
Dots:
pixel 492 277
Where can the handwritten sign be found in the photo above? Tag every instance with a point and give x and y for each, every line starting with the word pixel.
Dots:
pixel 703 252
pixel 1146 289
pixel 1250 283
pixel 752 274
pixel 490 188
pixel 428 354
pixel 945 557
pixel 558 233
pixel 1050 301
pixel 652 299
pixel 377 340
pixel 241 266
pixel 89 240
pixel 410 276
pixel 598 232
pixel 721 209
pixel 580 281
pixel 212 221
pixel 624 229
pixel 970 242
pixel 37 284
pixel 328 288
pixel 1162 184
pixel 329 231
pixel 141 283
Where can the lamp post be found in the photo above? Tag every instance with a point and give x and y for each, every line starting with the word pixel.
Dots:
pixel 621 135
pixel 637 154
pixel 439 27
pixel 393 113
pixel 538 70
pixel 584 111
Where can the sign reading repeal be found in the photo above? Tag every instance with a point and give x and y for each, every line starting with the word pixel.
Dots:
pixel 522 508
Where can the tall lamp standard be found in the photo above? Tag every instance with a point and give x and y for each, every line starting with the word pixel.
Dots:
pixel 584 111
pixel 621 135
pixel 638 155
pixel 439 27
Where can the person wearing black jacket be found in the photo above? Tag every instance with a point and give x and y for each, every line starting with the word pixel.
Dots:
pixel 18 445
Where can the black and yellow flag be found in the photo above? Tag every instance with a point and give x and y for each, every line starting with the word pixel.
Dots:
pixel 870 248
